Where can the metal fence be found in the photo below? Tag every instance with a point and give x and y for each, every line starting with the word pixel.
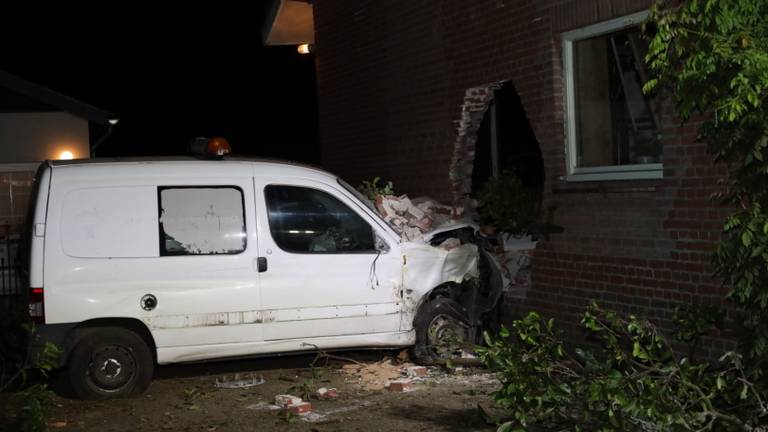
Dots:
pixel 11 268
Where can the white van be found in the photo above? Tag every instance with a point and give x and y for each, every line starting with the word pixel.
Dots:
pixel 144 262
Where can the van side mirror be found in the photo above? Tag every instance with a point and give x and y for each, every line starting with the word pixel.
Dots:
pixel 380 244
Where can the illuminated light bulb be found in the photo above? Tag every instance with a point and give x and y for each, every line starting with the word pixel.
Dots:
pixel 66 155
pixel 304 48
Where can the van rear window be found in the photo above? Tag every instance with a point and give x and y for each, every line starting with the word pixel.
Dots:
pixel 201 220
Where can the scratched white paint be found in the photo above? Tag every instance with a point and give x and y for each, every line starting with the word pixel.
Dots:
pixel 203 320
pixel 203 220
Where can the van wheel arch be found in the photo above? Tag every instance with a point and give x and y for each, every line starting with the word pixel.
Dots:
pixel 110 359
pixel 470 307
pixel 131 324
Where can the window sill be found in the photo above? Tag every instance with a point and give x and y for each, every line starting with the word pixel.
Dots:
pixel 624 172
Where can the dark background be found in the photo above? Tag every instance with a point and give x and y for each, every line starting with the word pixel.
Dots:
pixel 172 75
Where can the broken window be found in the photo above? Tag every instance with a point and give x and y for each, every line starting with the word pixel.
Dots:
pixel 614 128
pixel 306 220
pixel 206 220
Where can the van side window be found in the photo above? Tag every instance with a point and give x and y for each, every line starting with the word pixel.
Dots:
pixel 201 220
pixel 306 220
pixel 109 222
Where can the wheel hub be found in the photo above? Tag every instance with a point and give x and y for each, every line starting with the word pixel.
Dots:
pixel 111 368
pixel 445 336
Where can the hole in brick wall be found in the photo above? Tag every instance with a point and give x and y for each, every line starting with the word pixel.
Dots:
pixel 493 110
pixel 515 148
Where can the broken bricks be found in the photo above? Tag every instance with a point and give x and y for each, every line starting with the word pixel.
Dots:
pixel 299 408
pixel 292 404
pixel 416 371
pixel 285 400
pixel 413 219
pixel 400 386
pixel 327 393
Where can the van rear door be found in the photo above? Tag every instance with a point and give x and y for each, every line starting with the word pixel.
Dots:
pixel 37 215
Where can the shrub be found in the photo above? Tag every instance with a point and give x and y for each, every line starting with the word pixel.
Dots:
pixel 372 189
pixel 712 58
pixel 513 209
pixel 633 381
pixel 33 401
pixel 509 207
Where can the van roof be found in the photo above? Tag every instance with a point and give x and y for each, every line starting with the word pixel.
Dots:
pixel 62 162
pixel 290 166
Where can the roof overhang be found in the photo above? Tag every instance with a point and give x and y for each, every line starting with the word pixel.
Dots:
pixel 56 99
pixel 289 22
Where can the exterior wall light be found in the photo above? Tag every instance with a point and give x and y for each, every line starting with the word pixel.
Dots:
pixel 66 155
pixel 305 48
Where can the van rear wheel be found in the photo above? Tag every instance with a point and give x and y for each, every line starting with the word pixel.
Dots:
pixel 110 363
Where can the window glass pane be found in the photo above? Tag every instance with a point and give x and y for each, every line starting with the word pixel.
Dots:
pixel 616 124
pixel 306 220
pixel 201 220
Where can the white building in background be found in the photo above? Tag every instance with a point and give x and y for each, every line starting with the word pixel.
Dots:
pixel 36 124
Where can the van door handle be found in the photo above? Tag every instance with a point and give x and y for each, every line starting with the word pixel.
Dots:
pixel 261 264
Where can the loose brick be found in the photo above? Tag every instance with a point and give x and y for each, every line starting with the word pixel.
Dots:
pixel 400 386
pixel 327 393
pixel 299 408
pixel 285 400
pixel 416 371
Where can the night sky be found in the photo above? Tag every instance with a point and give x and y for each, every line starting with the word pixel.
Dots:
pixel 171 78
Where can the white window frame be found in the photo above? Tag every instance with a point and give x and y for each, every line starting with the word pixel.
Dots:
pixel 611 172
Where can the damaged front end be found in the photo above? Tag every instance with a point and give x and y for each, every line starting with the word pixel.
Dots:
pixel 464 271
pixel 452 283
pixel 451 295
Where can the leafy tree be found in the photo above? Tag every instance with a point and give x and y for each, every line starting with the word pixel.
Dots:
pixel 711 56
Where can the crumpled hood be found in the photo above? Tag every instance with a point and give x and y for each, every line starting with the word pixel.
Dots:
pixel 452 226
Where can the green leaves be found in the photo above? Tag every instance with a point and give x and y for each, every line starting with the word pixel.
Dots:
pixel 712 57
pixel 372 189
pixel 630 382
pixel 511 208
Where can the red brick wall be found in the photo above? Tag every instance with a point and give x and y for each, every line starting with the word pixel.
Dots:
pixel 392 78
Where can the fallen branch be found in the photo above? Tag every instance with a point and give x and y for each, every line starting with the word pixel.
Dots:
pixel 326 356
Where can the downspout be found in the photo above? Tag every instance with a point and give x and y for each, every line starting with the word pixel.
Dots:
pixel 103 138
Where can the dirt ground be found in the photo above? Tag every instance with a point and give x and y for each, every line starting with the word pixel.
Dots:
pixel 186 398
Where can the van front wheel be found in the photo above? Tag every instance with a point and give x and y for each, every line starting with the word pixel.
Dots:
pixel 110 363
pixel 442 331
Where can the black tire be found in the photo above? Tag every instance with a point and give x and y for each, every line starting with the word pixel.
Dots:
pixel 442 329
pixel 110 363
